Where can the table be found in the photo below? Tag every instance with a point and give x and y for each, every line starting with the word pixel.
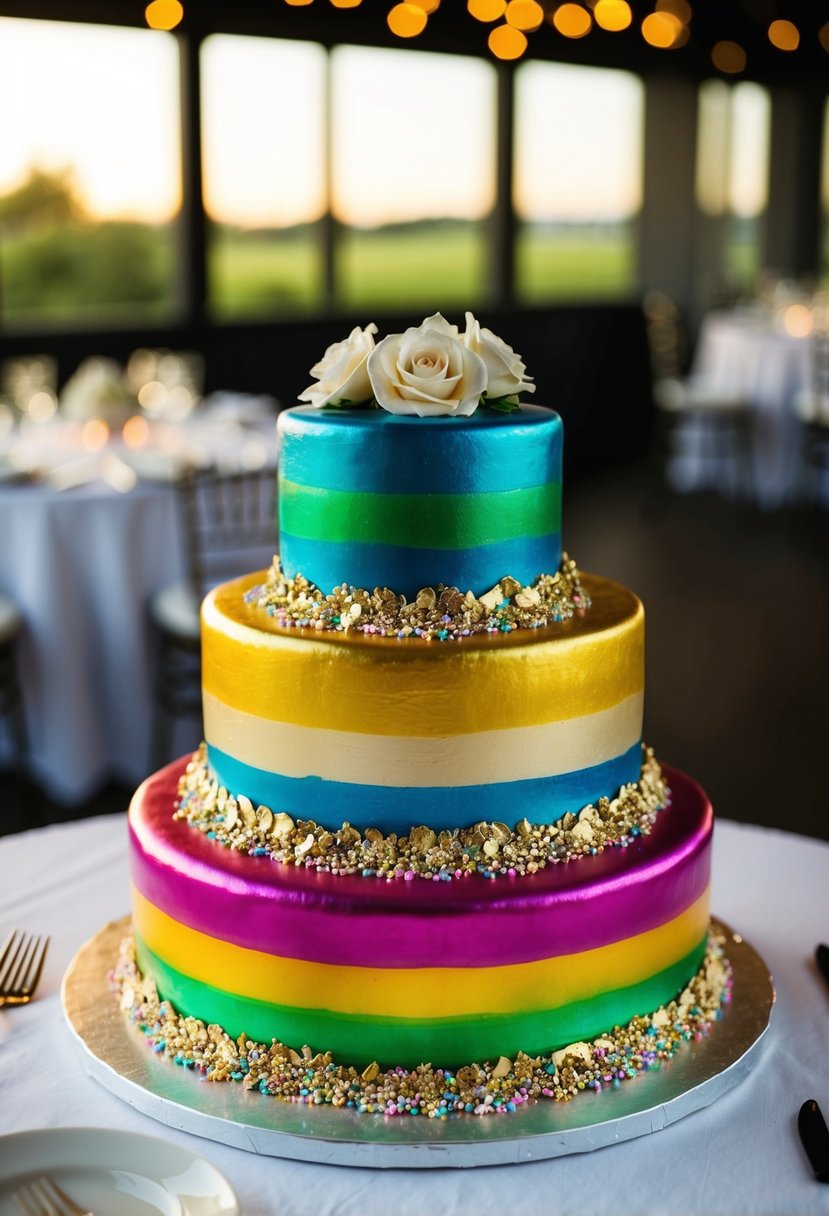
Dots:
pixel 745 354
pixel 739 1156
pixel 81 565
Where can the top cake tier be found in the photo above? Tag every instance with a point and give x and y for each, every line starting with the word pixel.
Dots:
pixel 375 499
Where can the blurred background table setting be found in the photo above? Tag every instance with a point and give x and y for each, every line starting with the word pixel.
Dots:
pixel 92 487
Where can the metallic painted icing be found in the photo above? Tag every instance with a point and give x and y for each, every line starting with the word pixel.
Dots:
pixel 376 452
pixel 420 992
pixel 386 686
pixel 354 504
pixel 397 809
pixel 360 1039
pixel 306 914
pixel 418 521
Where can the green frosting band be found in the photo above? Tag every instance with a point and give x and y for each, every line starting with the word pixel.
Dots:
pixel 419 521
pixel 360 1039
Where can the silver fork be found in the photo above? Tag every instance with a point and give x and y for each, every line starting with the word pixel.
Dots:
pixel 43 1197
pixel 21 962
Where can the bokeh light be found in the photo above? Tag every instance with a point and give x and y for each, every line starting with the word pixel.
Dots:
pixel 506 42
pixel 428 6
pixel 42 405
pixel 662 30
pixel 525 15
pixel 680 9
pixel 784 35
pixel 572 20
pixel 136 431
pixel 728 56
pixel 407 20
pixel 346 3
pixel 486 10
pixel 163 14
pixel 94 434
pixel 798 321
pixel 612 15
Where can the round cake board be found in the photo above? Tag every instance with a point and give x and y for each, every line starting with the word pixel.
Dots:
pixel 116 1055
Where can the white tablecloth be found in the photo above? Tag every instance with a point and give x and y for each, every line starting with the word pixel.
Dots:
pixel 81 565
pixel 740 1156
pixel 744 354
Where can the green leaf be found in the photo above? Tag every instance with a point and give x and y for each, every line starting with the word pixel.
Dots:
pixel 502 405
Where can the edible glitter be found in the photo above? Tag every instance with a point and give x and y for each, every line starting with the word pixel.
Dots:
pixel 443 613
pixel 493 849
pixel 493 1087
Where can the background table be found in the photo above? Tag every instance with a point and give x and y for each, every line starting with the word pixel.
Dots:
pixel 743 353
pixel 81 565
pixel 740 1155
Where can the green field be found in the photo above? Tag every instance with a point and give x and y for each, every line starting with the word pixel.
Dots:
pixel 126 272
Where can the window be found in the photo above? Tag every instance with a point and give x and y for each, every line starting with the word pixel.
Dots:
pixel 732 171
pixel 263 136
pixel 89 173
pixel 577 180
pixel 413 173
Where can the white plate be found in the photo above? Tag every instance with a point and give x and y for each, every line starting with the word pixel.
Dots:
pixel 114 1173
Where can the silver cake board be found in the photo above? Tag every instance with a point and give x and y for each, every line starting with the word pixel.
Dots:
pixel 115 1054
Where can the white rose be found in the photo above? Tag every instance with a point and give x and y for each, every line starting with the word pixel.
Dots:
pixel 505 369
pixel 341 372
pixel 427 371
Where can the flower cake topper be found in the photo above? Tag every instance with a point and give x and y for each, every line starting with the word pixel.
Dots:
pixel 429 370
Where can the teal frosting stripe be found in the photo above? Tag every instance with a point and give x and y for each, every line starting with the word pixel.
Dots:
pixel 359 1039
pixel 419 521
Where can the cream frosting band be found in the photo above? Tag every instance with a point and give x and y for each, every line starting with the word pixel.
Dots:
pixel 522 753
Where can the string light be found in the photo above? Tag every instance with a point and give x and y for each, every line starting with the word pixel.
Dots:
pixel 784 35
pixel 407 20
pixel 506 42
pixel 572 20
pixel 486 10
pixel 613 15
pixel 728 57
pixel 661 30
pixel 163 14
pixel 525 15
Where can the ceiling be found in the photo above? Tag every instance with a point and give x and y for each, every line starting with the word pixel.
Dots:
pixel 451 28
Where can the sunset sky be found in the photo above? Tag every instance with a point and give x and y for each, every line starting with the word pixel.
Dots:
pixel 412 134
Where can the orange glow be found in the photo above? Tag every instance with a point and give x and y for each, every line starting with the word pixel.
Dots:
pixel 823 36
pixel 298 3
pixel 136 431
pixel 163 14
pixel 486 10
pixel 407 20
pixel 661 30
pixel 428 6
pixel 797 321
pixel 680 9
pixel 506 42
pixel 784 35
pixel 524 15
pixel 612 15
pixel 572 20
pixel 346 3
pixel 94 434
pixel 728 57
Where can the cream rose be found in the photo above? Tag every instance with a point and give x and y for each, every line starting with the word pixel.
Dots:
pixel 341 372
pixel 505 369
pixel 427 371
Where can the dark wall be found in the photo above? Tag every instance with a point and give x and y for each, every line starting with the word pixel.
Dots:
pixel 590 362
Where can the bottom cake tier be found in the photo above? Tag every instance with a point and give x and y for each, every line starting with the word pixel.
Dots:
pixel 406 972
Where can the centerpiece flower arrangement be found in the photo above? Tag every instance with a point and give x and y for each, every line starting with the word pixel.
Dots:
pixel 429 370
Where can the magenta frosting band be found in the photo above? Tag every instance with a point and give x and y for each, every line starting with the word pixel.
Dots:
pixel 470 922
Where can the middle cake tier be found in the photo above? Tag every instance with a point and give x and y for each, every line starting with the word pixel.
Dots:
pixel 386 733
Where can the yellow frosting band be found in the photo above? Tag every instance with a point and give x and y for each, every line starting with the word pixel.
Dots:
pixel 386 686
pixel 418 992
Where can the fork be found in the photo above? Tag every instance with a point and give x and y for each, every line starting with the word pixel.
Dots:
pixel 21 962
pixel 43 1197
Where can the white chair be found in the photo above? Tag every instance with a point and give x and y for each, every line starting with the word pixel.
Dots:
pixel 228 526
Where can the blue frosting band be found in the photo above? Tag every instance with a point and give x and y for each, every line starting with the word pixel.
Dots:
pixel 405 571
pixel 393 809
pixel 377 452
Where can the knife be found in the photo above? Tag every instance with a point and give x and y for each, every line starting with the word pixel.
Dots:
pixel 814 1135
pixel 822 960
